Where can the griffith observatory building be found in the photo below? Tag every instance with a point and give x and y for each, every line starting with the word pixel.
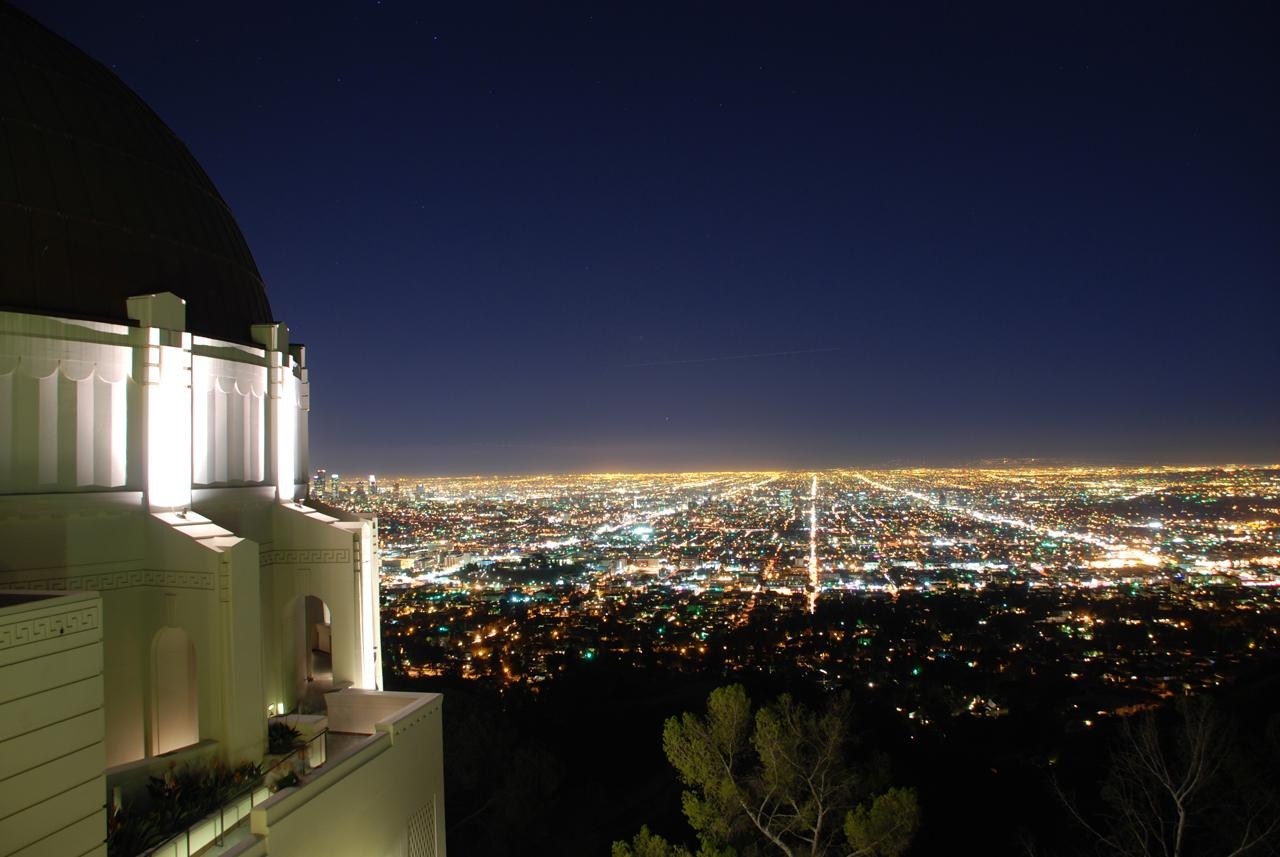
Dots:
pixel 167 590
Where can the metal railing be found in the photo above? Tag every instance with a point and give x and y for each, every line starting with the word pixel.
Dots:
pixel 211 830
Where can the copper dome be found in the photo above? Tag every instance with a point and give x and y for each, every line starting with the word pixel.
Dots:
pixel 100 200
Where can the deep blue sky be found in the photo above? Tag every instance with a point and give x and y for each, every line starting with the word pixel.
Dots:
pixel 525 238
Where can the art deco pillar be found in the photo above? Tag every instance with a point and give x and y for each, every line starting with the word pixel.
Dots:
pixel 162 367
pixel 303 447
pixel 282 408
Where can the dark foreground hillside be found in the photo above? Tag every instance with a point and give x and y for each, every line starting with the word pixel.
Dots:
pixel 573 768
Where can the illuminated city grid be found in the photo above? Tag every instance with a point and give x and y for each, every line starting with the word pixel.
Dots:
pixel 942 589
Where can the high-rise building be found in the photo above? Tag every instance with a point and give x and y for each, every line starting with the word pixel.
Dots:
pixel 165 584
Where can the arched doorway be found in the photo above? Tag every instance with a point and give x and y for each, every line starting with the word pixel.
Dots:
pixel 175 700
pixel 315 645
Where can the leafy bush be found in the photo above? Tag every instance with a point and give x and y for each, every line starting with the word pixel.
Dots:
pixel 282 737
pixel 130 833
pixel 179 799
pixel 185 795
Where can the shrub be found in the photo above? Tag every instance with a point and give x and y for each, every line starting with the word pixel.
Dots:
pixel 282 737
pixel 179 799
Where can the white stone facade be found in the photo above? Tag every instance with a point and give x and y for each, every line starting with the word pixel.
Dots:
pixel 165 475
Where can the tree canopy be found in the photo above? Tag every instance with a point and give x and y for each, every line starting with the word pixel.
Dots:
pixel 778 780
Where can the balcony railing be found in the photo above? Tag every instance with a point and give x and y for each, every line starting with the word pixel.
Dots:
pixel 220 828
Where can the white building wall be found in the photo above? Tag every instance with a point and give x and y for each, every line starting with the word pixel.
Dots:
pixel 51 728
pixel 64 404
pixel 115 443
pixel 389 793
pixel 228 420
pixel 317 554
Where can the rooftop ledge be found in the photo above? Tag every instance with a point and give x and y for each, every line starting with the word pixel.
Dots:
pixel 379 716
pixel 365 724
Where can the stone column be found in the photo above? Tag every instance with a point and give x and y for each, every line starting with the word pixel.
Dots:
pixel 282 408
pixel 163 368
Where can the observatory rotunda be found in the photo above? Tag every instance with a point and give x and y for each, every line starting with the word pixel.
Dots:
pixel 166 587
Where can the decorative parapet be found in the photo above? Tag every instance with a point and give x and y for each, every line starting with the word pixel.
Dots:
pixel 379 714
pixel 77 401
pixel 36 619
pixel 103 581
pixel 64 405
pixel 304 557
pixel 369 711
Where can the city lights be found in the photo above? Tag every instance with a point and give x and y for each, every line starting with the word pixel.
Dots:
pixel 898 580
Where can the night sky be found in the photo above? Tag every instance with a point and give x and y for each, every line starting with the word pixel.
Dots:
pixel 568 238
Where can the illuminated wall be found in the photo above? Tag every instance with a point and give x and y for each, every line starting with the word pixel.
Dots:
pixel 390 792
pixel 65 393
pixel 229 419
pixel 315 554
pixel 166 382
pixel 161 472
pixel 89 406
pixel 51 727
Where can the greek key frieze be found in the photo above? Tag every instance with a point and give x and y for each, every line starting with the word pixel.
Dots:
pixel 33 630
pixel 103 581
pixel 304 557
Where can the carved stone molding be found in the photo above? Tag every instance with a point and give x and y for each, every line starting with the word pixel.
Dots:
pixel 304 557
pixel 23 630
pixel 107 580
